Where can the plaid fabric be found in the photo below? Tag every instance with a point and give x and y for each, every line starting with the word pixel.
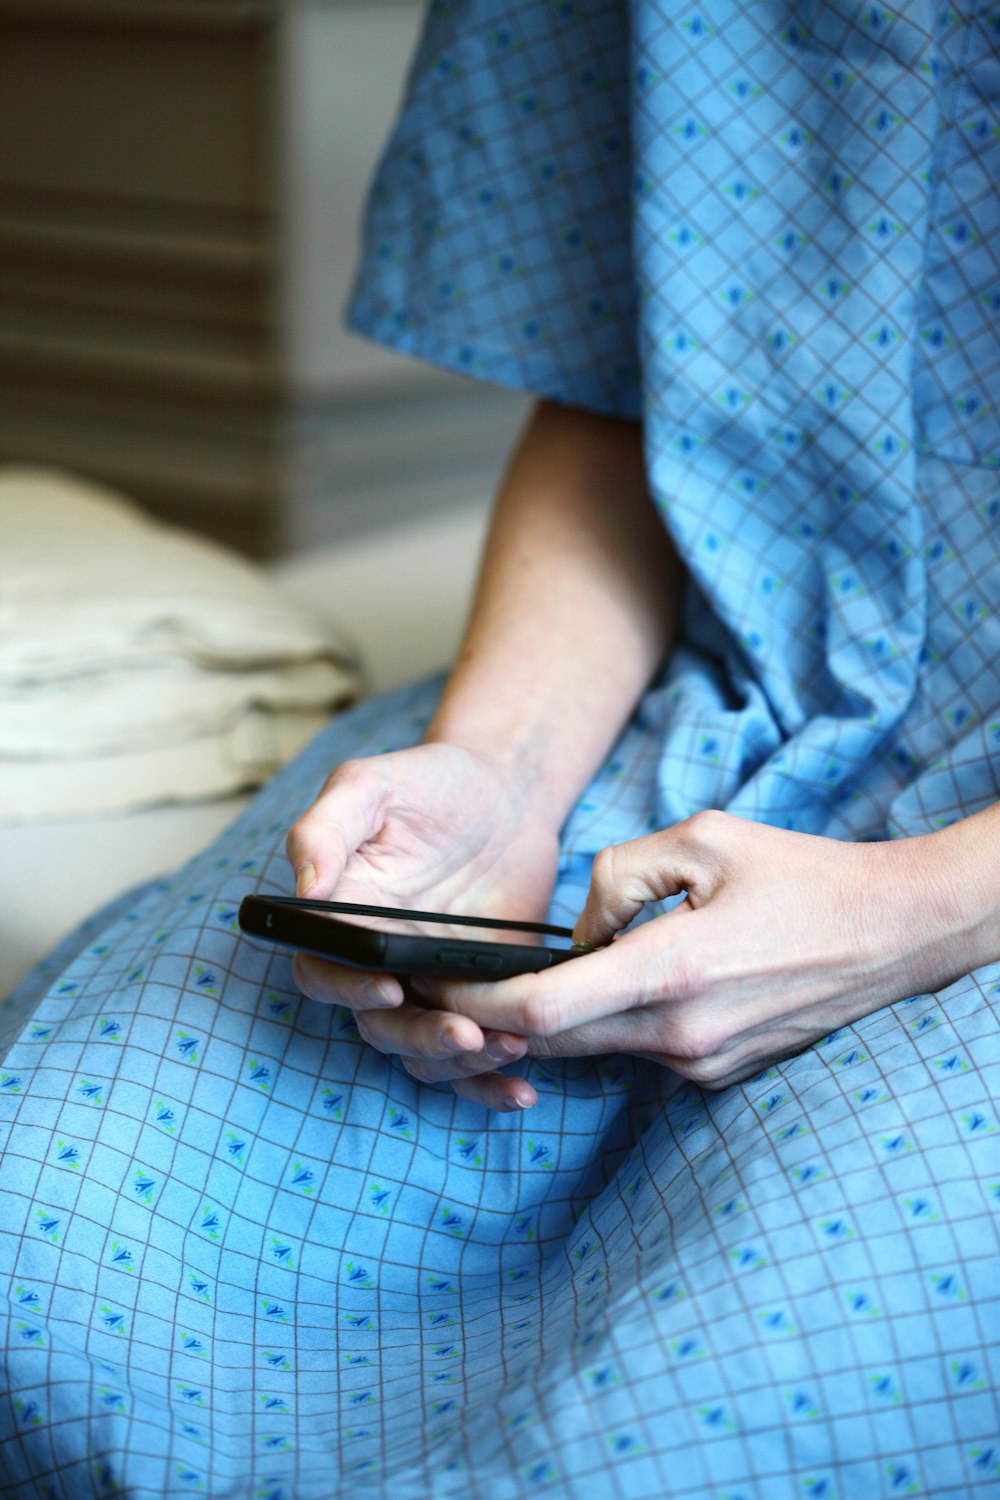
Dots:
pixel 244 1256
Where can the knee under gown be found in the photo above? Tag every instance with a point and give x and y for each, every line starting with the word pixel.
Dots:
pixel 243 1256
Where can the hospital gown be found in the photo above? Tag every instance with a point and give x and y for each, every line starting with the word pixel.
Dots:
pixel 241 1254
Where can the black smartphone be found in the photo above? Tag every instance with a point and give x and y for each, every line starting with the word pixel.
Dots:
pixel 390 940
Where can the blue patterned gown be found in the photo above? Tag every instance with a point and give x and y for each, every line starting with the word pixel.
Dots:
pixel 243 1256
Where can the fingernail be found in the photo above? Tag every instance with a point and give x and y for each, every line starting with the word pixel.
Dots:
pixel 305 879
pixel 453 1042
pixel 499 1049
pixel 514 1101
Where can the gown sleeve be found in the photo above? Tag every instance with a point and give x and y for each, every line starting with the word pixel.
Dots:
pixel 497 240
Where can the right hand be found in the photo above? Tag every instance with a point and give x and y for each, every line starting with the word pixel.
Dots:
pixel 437 827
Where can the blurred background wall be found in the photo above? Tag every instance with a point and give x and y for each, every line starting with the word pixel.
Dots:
pixel 181 189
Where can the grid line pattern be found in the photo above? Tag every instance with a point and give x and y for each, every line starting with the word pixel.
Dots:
pixel 243 1256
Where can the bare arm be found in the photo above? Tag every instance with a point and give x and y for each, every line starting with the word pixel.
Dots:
pixel 576 604
pixel 575 607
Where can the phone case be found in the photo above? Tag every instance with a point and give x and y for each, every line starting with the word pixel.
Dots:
pixel 389 952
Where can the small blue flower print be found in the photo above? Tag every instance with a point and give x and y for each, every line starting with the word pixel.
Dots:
pixel 947 1286
pixel 303 1178
pixel 210 1222
pixel 716 1418
pixel 143 1185
pixel 623 1444
pixel 274 1403
pixel 121 1257
pixel 48 1224
pixel 279 1009
pixel 111 1319
pixel 259 1074
pixel 332 1104
pixel 379 1198
pixel 235 1147
pixel 187 1045
pixel 29 1411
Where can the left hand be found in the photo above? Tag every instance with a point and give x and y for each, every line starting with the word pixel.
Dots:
pixel 781 937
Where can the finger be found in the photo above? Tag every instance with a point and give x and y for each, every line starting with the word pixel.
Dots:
pixel 625 877
pixel 498 1049
pixel 411 1031
pixel 497 1091
pixel 637 970
pixel 662 1033
pixel 335 984
pixel 348 812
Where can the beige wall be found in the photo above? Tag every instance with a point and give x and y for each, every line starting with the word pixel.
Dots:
pixel 180 191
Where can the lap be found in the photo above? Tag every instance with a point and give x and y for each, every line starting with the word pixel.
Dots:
pixel 233 1239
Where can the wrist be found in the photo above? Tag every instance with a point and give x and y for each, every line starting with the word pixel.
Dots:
pixel 518 756
pixel 954 889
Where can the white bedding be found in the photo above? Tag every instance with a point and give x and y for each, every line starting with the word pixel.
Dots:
pixel 141 663
pixel 402 595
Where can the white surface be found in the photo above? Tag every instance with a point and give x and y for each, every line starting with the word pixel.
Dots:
pixel 140 663
pixel 402 596
pixel 52 875
pixel 343 69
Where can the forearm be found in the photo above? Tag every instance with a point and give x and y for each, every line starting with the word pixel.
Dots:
pixel 575 606
pixel 960 869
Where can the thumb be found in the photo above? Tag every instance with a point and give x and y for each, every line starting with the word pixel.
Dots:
pixel 348 812
pixel 625 876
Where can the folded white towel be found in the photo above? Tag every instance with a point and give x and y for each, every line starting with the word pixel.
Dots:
pixel 142 664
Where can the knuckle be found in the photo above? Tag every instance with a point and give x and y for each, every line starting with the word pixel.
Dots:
pixel 709 824
pixel 540 1016
pixel 700 1047
pixel 602 875
pixel 709 1071
pixel 683 978
pixel 349 773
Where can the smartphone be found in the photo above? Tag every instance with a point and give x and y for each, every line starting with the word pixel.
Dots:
pixel 385 939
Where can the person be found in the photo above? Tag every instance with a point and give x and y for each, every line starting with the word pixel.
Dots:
pixel 710 1210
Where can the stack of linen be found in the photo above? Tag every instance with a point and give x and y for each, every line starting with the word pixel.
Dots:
pixel 140 664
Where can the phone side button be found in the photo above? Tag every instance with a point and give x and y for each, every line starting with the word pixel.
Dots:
pixel 487 961
pixel 453 956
